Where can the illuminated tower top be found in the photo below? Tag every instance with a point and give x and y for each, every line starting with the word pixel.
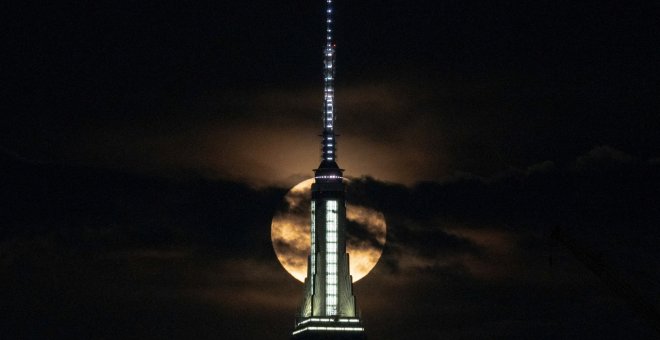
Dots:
pixel 329 154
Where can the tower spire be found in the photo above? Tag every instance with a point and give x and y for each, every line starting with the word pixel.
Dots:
pixel 329 142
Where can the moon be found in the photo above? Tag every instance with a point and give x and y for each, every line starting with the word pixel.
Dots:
pixel 290 234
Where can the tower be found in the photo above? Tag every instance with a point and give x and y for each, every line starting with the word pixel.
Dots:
pixel 328 310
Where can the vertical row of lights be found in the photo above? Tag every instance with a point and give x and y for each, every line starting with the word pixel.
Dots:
pixel 329 91
pixel 331 258
pixel 313 255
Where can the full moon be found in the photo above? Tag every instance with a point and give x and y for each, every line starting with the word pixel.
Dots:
pixel 290 233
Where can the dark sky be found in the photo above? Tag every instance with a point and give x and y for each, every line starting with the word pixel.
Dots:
pixel 145 147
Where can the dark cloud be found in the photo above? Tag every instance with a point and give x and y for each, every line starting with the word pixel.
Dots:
pixel 495 234
pixel 89 253
pixel 294 256
pixel 99 209
pixel 360 236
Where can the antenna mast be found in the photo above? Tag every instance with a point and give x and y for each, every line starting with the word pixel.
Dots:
pixel 329 140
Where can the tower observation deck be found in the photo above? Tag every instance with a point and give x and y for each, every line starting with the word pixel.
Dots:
pixel 328 310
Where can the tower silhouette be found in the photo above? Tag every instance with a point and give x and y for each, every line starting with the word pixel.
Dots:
pixel 328 310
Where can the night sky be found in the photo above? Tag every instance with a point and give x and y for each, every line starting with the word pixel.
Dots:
pixel 145 147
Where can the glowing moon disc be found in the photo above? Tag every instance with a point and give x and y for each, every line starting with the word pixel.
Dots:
pixel 290 233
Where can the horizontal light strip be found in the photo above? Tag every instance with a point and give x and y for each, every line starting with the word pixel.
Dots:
pixel 315 320
pixel 329 177
pixel 343 329
pixel 327 320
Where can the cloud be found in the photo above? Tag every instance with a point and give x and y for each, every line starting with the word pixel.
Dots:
pixel 270 136
pixel 88 251
pixel 603 155
pixel 498 228
pixel 263 143
pixel 476 252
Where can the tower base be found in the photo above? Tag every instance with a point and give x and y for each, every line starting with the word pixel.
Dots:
pixel 329 329
pixel 329 335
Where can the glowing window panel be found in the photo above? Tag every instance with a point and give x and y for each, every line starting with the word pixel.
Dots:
pixel 313 250
pixel 331 258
